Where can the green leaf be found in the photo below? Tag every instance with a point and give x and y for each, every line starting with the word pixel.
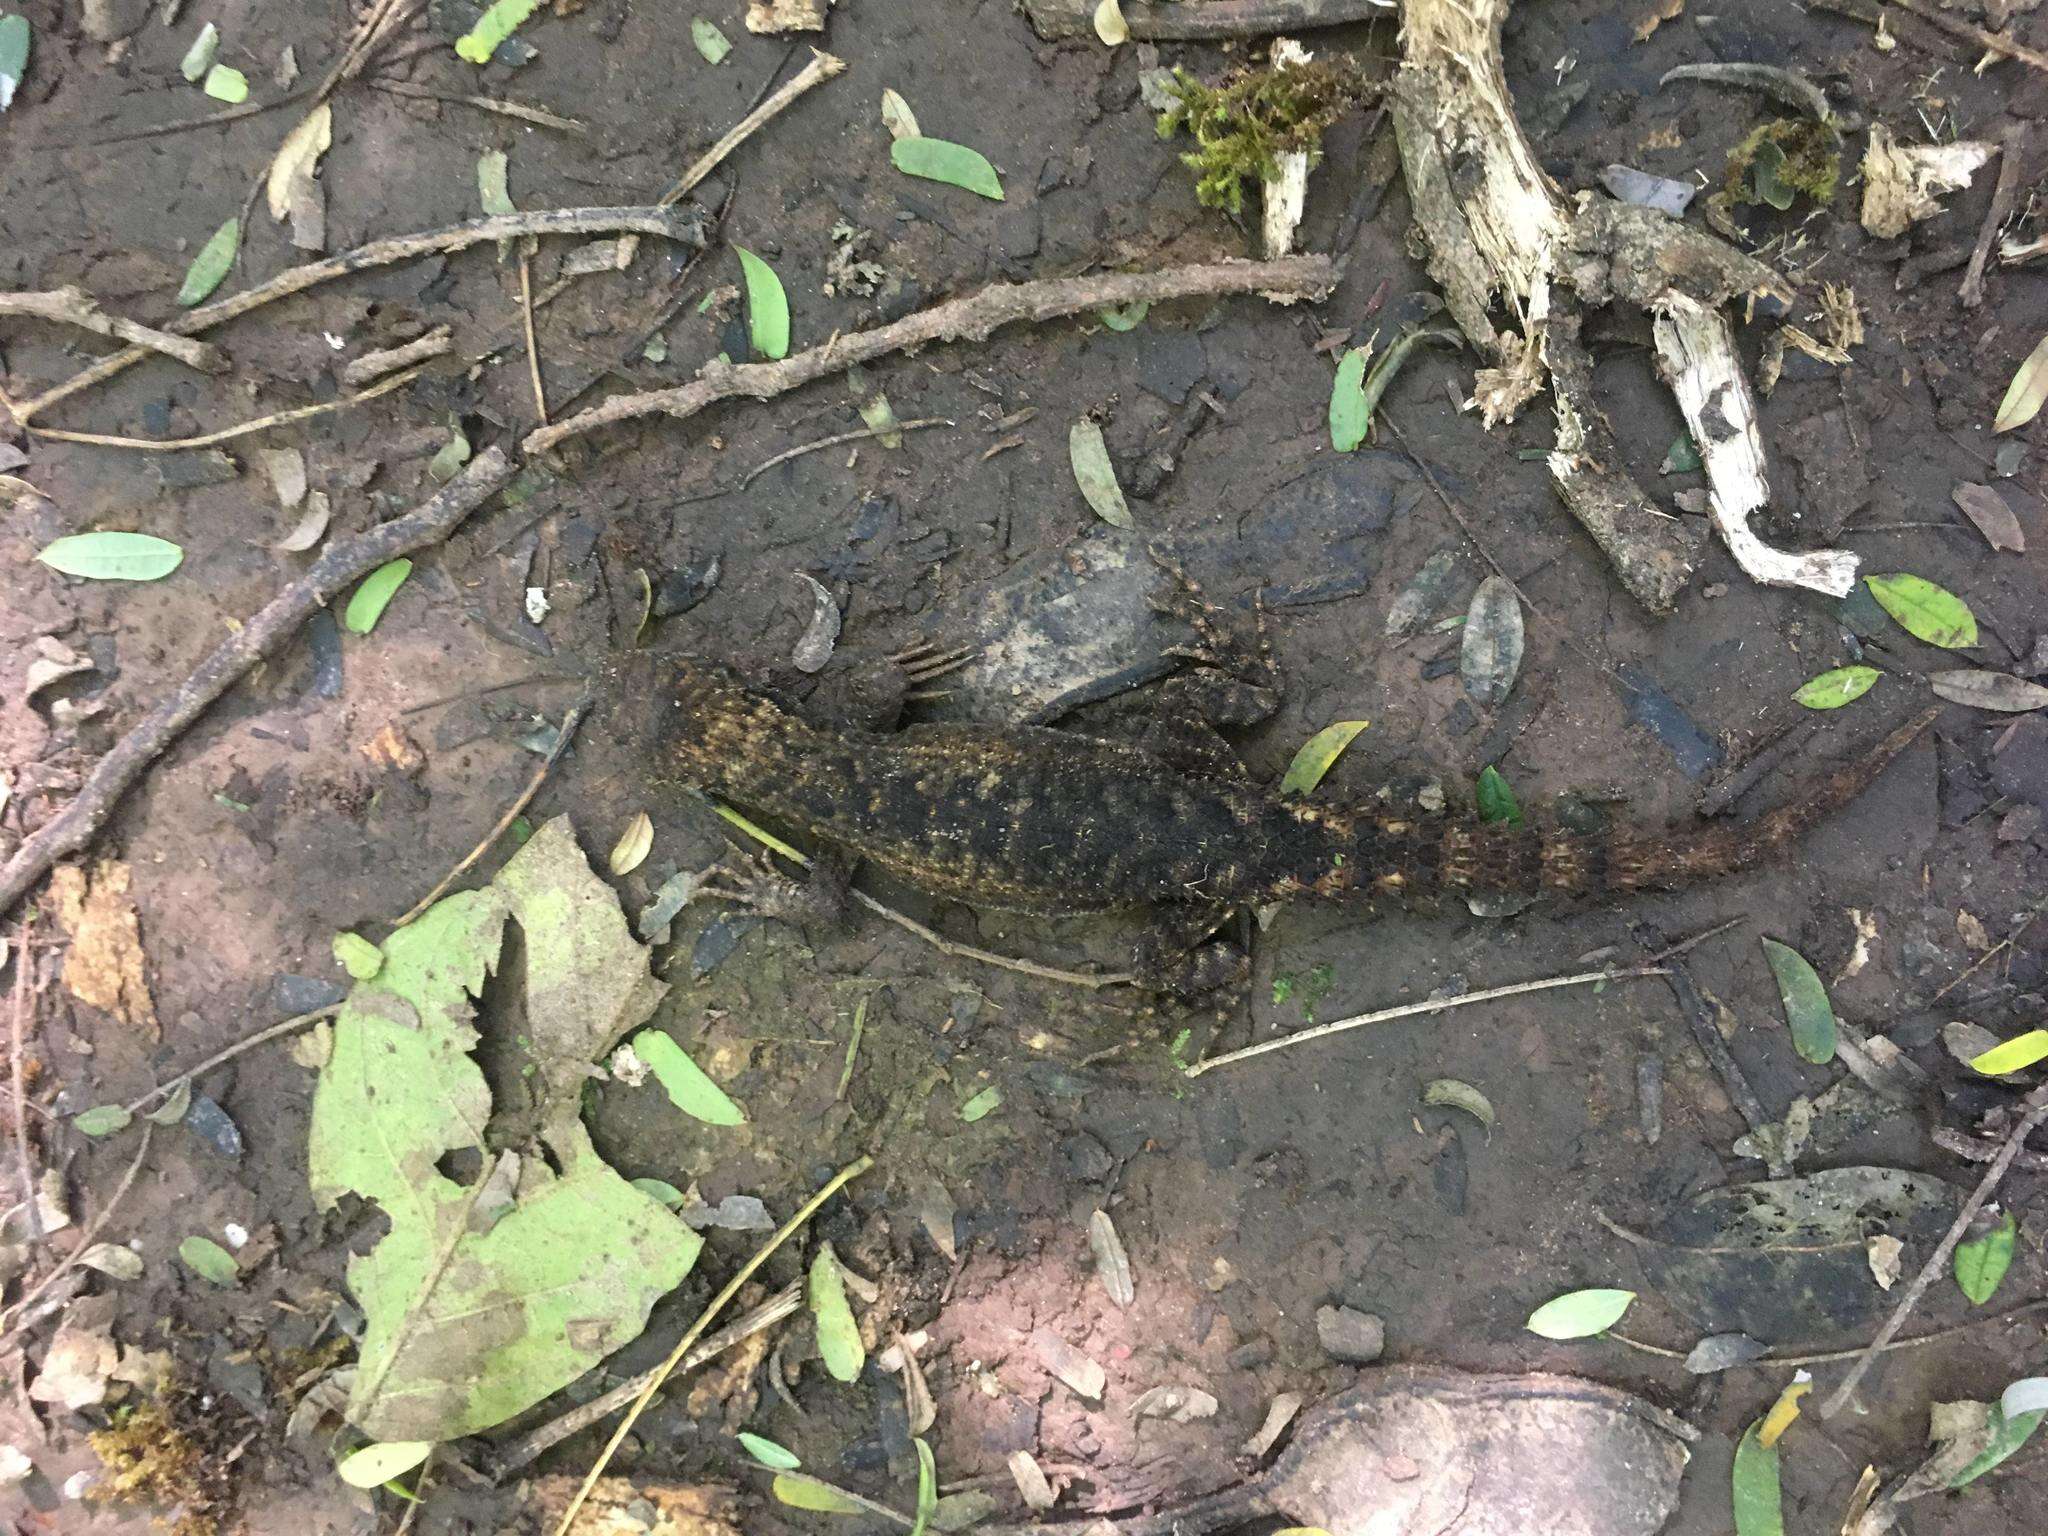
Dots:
pixel 200 56
pixel 1982 1261
pixel 480 1300
pixel 2027 391
pixel 660 1189
pixel 358 956
pixel 767 306
pixel 1496 801
pixel 711 42
pixel 112 556
pixel 176 1105
pixel 778 1457
pixel 1315 756
pixel 1807 1010
pixel 492 28
pixel 449 458
pixel 927 1486
pixel 493 183
pixel 1928 612
pixel 1759 1505
pixel 2012 1055
pixel 14 36
pixel 375 1465
pixel 982 1103
pixel 808 1493
pixel 688 1088
pixel 2008 1435
pixel 1095 475
pixel 208 1260
pixel 225 84
pixel 1682 457
pixel 367 606
pixel 211 265
pixel 1579 1314
pixel 1831 690
pixel 101 1120
pixel 838 1334
pixel 1350 415
pixel 1125 317
pixel 942 160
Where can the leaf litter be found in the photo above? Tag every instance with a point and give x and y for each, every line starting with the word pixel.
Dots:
pixel 478 1301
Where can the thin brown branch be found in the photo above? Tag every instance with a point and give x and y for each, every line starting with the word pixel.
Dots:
pixel 267 631
pixel 24 961
pixel 1775 1360
pixel 966 319
pixel 1981 1149
pixel 2036 1106
pixel 1970 32
pixel 835 440
pixel 249 1042
pixel 2011 153
pixel 535 115
pixel 226 434
pixel 1994 951
pixel 74 306
pixel 540 394
pixel 665 222
pixel 438 342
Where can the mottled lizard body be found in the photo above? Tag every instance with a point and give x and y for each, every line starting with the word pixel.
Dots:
pixel 1035 820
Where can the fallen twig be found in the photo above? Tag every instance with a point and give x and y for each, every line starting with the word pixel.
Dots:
pixel 1706 1034
pixel 971 318
pixel 536 115
pixel 34 1293
pixel 74 306
pixel 666 222
pixel 2036 1107
pixel 24 961
pixel 1214 19
pixel 562 739
pixel 661 1373
pixel 2011 153
pixel 543 1437
pixel 1409 1010
pixel 226 434
pixel 540 394
pixel 1830 1356
pixel 1981 1149
pixel 274 624
pixel 1994 951
pixel 263 1036
pixel 374 365
pixel 1969 32
pixel 835 440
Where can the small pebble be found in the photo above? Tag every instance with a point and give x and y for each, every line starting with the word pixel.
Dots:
pixel 1356 1338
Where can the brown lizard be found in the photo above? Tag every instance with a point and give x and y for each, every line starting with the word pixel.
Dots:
pixel 1036 820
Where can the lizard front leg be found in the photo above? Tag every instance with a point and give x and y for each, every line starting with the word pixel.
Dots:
pixel 1180 956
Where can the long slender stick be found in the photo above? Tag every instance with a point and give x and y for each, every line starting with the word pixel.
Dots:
pixel 228 434
pixel 2011 154
pixel 2036 1105
pixel 23 960
pixel 851 1171
pixel 1830 1356
pixel 540 394
pixel 1969 32
pixel 1409 1010
pixel 74 306
pixel 971 318
pixel 271 627
pixel 263 1036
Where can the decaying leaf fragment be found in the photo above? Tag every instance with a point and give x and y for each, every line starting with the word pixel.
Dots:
pixel 775 16
pixel 1901 181
pixel 477 1309
pixel 291 190
pixel 104 967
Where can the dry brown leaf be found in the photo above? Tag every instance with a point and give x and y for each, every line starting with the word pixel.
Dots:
pixel 1901 181
pixel 392 748
pixel 1660 12
pixel 918 1406
pixel 1985 508
pixel 1886 1255
pixel 75 1369
pixel 728 1381
pixel 104 967
pixel 1971 932
pixel 1031 1483
pixel 291 189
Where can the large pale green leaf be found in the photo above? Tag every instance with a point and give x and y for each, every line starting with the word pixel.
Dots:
pixel 482 1299
pixel 1982 1261
pixel 942 160
pixel 375 1465
pixel 1350 416
pixel 1759 1506
pixel 112 556
pixel 1928 612
pixel 778 1458
pixel 1831 690
pixel 1095 475
pixel 369 601
pixel 838 1334
pixel 800 1492
pixel 689 1088
pixel 1579 1314
pixel 1805 996
pixel 767 306
pixel 2013 1055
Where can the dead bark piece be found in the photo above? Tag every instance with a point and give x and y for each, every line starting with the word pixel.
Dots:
pixel 104 967
pixel 775 16
pixel 1185 22
pixel 1901 181
pixel 1284 199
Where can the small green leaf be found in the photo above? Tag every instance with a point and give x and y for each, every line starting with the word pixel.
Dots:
pixel 492 28
pixel 1496 801
pixel 176 1105
pixel 688 1088
pixel 358 956
pixel 1928 612
pixel 101 1120
pixel 838 1334
pixel 665 1192
pixel 200 56
pixel 767 306
pixel 1807 1010
pixel 1579 1314
pixel 2008 1435
pixel 808 1493
pixel 1759 1505
pixel 449 458
pixel 211 265
pixel 942 160
pixel 14 38
pixel 981 1104
pixel 1350 415
pixel 1125 317
pixel 493 182
pixel 1831 690
pixel 1095 475
pixel 2026 393
pixel 1316 755
pixel 367 606
pixel 711 42
pixel 225 84
pixel 1982 1261
pixel 778 1457
pixel 112 556
pixel 208 1260
pixel 1682 457
pixel 375 1465
pixel 2012 1055
pixel 927 1487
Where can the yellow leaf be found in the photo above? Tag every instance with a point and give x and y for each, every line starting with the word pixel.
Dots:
pixel 1783 1411
pixel 2024 396
pixel 296 157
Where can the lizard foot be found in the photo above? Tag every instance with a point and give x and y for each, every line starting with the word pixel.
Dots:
pixel 752 881
pixel 1232 679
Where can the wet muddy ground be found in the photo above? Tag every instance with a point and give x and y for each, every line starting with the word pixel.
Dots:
pixel 1249 1197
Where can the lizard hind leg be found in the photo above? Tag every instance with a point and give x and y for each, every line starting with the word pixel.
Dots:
pixel 1180 957
pixel 1232 678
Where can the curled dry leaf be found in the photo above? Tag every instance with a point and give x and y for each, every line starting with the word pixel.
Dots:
pixel 1885 1254
pixel 291 190
pixel 286 470
pixel 1031 1484
pixel 112 1260
pixel 75 1368
pixel 1081 1374
pixel 2026 393
pixel 1110 25
pixel 1901 181
pixel 822 633
pixel 918 1406
pixel 1278 1417
pixel 310 528
pixel 54 662
pixel 633 845
pixel 1491 653
pixel 897 117
pixel 1095 475
pixel 936 1214
pixel 1112 1264
pixel 1449 1093
pixel 1722 1351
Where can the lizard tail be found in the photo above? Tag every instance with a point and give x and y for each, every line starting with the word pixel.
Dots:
pixel 1475 857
